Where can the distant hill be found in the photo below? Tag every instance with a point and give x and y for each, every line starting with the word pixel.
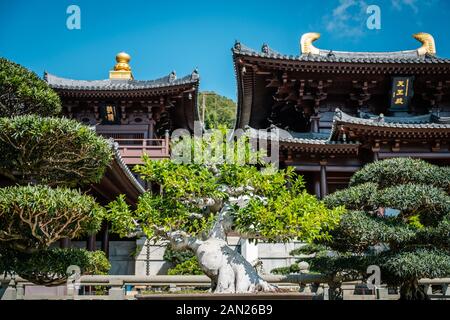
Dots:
pixel 219 110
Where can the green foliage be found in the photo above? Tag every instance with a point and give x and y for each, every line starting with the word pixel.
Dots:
pixel 184 262
pixel 120 216
pixel 360 197
pixel 219 110
pixel 398 171
pixel 23 92
pixel 34 217
pixel 277 206
pixel 176 257
pixel 49 266
pixel 57 152
pixel 411 245
pixel 358 231
pixel 293 268
pixel 288 214
pixel 416 264
pixel 188 267
pixel 428 202
pixel 51 151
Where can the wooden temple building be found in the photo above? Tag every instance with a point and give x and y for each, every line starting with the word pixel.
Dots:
pixel 341 110
pixel 138 117
pixel 337 110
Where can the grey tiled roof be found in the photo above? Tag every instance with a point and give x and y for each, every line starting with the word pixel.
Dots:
pixel 409 56
pixel 433 123
pixel 306 138
pixel 426 118
pixel 118 158
pixel 107 84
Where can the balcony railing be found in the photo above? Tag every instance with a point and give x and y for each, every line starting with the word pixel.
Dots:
pixel 132 150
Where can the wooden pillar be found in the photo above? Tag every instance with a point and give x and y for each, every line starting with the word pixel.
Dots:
pixel 375 156
pixel 317 184
pixel 105 240
pixel 90 243
pixel 315 121
pixel 323 179
pixel 376 149
pixel 64 243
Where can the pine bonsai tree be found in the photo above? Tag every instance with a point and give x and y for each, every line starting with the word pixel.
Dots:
pixel 398 219
pixel 200 202
pixel 40 159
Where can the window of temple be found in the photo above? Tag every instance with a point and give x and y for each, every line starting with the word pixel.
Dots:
pixel 110 114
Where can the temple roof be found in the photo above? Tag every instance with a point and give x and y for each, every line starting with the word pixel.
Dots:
pixel 118 180
pixel 408 56
pixel 335 142
pixel 305 141
pixel 425 54
pixel 413 122
pixel 413 127
pixel 116 84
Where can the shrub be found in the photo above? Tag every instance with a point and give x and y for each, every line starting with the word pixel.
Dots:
pixel 188 267
pixel 51 151
pixel 23 92
pixel 49 266
pixel 34 217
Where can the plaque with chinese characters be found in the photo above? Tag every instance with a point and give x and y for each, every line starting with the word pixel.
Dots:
pixel 402 92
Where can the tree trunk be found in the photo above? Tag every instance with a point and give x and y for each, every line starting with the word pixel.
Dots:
pixel 411 290
pixel 228 270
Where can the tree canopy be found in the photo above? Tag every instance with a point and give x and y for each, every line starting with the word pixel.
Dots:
pixel 200 202
pixel 219 110
pixel 277 206
pixel 23 92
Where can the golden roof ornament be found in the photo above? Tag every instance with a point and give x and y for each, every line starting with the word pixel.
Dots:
pixel 306 43
pixel 428 45
pixel 122 70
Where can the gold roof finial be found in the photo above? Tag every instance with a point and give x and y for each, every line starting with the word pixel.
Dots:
pixel 428 45
pixel 122 70
pixel 306 43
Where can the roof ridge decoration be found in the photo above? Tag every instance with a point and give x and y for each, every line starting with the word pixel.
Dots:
pixel 306 41
pixel 428 44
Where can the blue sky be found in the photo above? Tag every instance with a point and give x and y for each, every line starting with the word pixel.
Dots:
pixel 162 36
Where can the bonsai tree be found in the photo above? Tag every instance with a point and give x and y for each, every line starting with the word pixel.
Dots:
pixel 200 202
pixel 398 218
pixel 40 159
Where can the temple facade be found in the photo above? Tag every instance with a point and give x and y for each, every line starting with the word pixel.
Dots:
pixel 341 110
pixel 137 116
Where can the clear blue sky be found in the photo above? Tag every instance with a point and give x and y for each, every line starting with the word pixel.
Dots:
pixel 162 36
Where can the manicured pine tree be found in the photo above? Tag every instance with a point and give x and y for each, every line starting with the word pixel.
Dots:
pixel 41 158
pixel 398 218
